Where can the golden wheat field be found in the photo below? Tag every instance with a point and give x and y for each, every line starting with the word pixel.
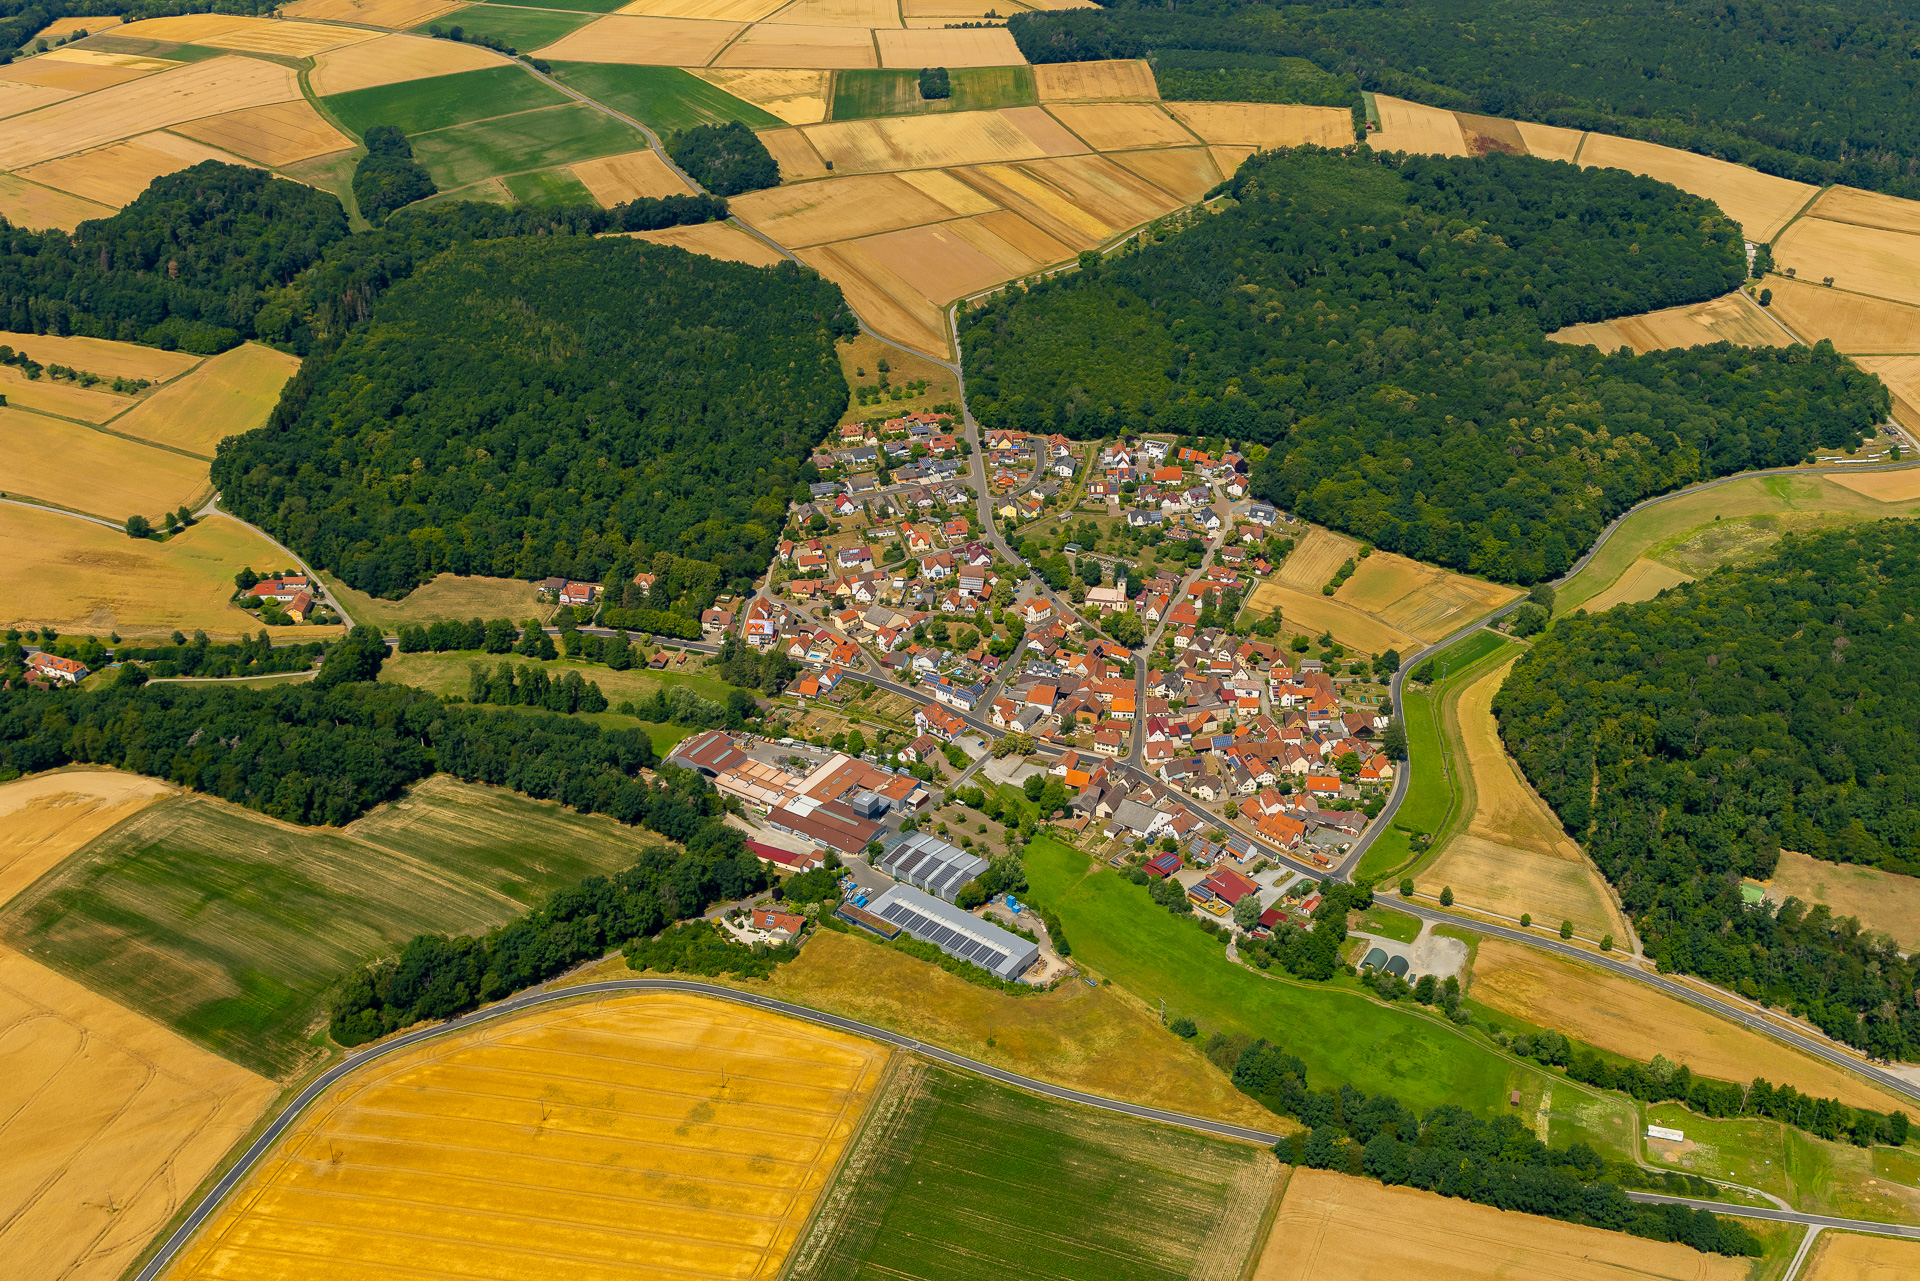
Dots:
pixel 372 13
pixel 75 576
pixel 45 817
pixel 1550 142
pixel 28 204
pixel 1733 318
pixel 1185 173
pixel 227 395
pixel 1901 374
pixel 1081 201
pixel 1265 125
pixel 1306 611
pixel 885 302
pixel 1122 126
pixel 1864 260
pixel 1316 556
pixel 1513 857
pixel 717 240
pixel 109 1122
pixel 1337 1227
pixel 68 75
pixel 797 97
pixel 712 10
pixel 1868 209
pixel 1614 1013
pixel 1642 580
pixel 1849 1256
pixel 793 153
pixel 91 471
pixel 846 208
pixel 978 47
pixel 276 135
pixel 935 142
pixel 840 13
pixel 1414 127
pixel 658 42
pixel 632 176
pixel 1760 203
pixel 646 1135
pixel 102 356
pixel 1119 79
pixel 117 173
pixel 249 35
pixel 18 96
pixel 1422 600
pixel 1884 901
pixel 392 59
pixel 1899 486
pixel 777 44
pixel 1854 322
pixel 67 26
pixel 63 399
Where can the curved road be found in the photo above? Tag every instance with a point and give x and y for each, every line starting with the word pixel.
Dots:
pixel 210 1203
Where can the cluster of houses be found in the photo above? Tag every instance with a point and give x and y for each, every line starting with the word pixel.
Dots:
pixel 1154 476
pixel 293 593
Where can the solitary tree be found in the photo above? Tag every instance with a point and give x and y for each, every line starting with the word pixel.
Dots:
pixel 139 527
pixel 1566 929
pixel 1526 920
pixel 1446 896
pixel 1406 887
pixel 1246 913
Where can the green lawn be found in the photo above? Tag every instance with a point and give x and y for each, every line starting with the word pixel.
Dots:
pixel 532 140
pixel 1341 1034
pixel 663 98
pixel 858 95
pixel 229 927
pixel 523 29
pixel 549 187
pixel 577 6
pixel 416 106
pixel 1809 1173
pixel 970 1179
pixel 1388 923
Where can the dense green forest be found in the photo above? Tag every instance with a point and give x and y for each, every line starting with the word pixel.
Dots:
pixel 543 405
pixel 1454 1153
pixel 727 159
pixel 1821 93
pixel 1378 323
pixel 188 264
pixel 388 176
pixel 1688 739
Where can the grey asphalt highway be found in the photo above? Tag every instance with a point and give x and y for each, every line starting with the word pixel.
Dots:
pixel 210 1203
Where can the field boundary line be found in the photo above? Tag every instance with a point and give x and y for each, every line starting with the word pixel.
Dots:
pixel 1801 212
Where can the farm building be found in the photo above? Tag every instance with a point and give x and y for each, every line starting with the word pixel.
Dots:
pixel 1003 955
pixel 928 863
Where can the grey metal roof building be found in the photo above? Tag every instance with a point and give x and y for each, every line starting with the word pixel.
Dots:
pixel 1005 956
pixel 928 863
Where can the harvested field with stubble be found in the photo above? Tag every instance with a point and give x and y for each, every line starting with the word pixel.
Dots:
pixel 251 35
pixel 840 13
pixel 1422 600
pixel 1265 124
pixel 1867 209
pixel 888 304
pixel 395 59
pixel 102 356
pixel 213 87
pixel 949 47
pixel 1305 610
pixel 91 471
pixel 1122 126
pixel 28 204
pixel 775 44
pixel 74 75
pixel 398 14
pixel 228 395
pixel 1760 203
pixel 815 213
pixel 934 142
pixel 1336 1227
pixel 1081 201
pixel 1614 1013
pixel 114 175
pixel 793 153
pixel 61 399
pixel 1642 580
pixel 711 10
pixel 45 817
pixel 717 240
pixel 276 135
pixel 635 176
pixel 1850 1256
pixel 79 577
pixel 656 42
pixel 1864 260
pixel 1853 322
pixel 1316 557
pixel 1414 127
pixel 641 1135
pixel 1513 856
pixel 1122 79
pixel 1734 318
pixel 110 1122
pixel 1185 173
pixel 229 926
pixel 944 1184
pixel 445 598
pixel 1550 142
pixel 1884 901
pixel 1901 374
pixel 797 97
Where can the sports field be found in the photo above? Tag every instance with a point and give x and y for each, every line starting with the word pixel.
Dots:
pixel 1849 1256
pixel 1335 1227
pixel 1884 901
pixel 1513 856
pixel 76 576
pixel 665 98
pixel 1633 1019
pixel 228 926
pixel 1341 1034
pixel 1733 318
pixel 645 1135
pixel 1865 260
pixel 955 1177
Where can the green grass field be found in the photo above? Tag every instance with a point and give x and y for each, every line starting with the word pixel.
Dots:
pixel 1751 513
pixel 958 1178
pixel 416 106
pixel 549 187
pixel 449 674
pixel 577 6
pixel 1343 1035
pixel 858 95
pixel 532 140
pixel 1388 923
pixel 663 98
pixel 1433 798
pixel 523 29
pixel 1809 1173
pixel 229 926
pixel 331 173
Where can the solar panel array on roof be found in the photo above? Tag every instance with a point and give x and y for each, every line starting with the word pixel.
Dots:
pixel 928 863
pixel 956 933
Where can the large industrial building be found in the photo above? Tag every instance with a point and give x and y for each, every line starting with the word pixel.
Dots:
pixel 928 863
pixel 1005 956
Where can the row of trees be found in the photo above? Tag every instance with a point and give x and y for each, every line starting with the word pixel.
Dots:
pixel 513 399
pixel 1454 1153
pixel 1817 93
pixel 1379 323
pixel 1688 739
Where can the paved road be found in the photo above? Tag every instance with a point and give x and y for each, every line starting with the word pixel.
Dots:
pixel 210 1203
